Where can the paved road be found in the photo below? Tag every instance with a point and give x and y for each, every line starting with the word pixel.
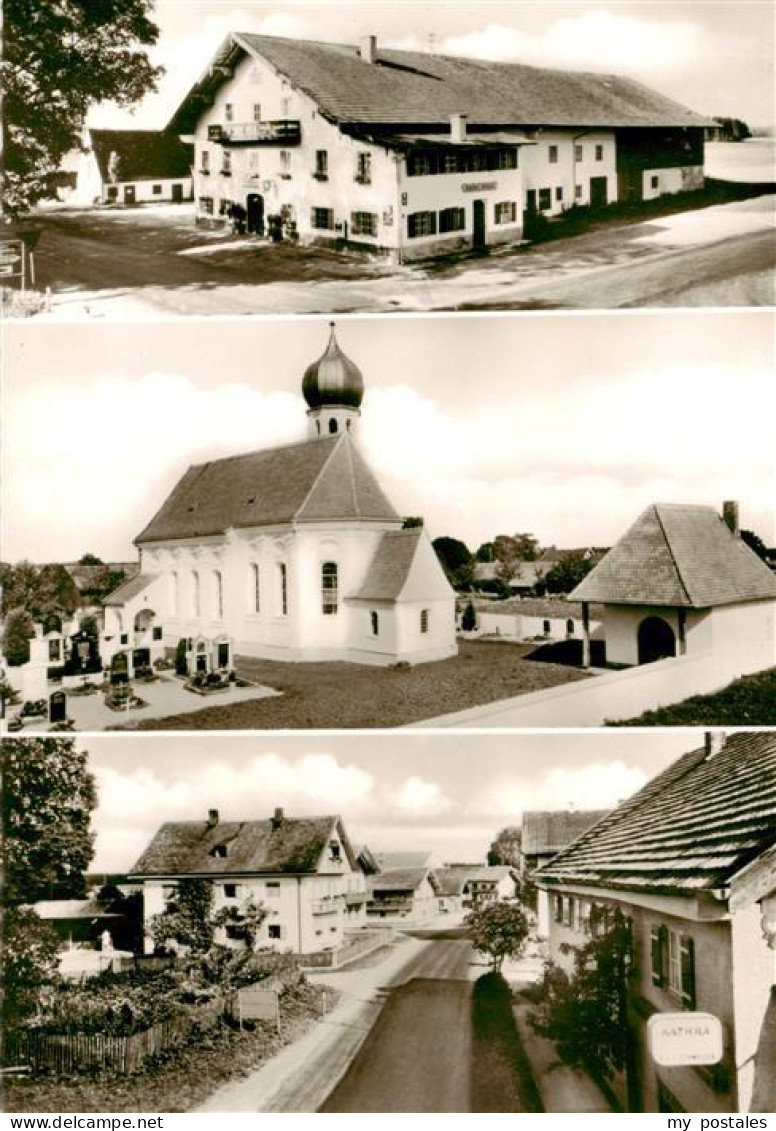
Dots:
pixel 417 1056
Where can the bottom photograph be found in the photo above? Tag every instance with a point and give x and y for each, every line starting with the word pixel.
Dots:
pixel 555 922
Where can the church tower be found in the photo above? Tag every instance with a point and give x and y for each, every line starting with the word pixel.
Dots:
pixel 333 388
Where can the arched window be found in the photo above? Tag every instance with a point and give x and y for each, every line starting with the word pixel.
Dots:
pixel 174 594
pixel 329 588
pixel 218 595
pixel 195 602
pixel 332 425
pixel 375 619
pixel 283 588
pixel 570 627
pixel 424 620
pixel 255 599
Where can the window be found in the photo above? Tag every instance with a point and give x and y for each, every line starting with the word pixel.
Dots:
pixel 559 192
pixel 283 588
pixel 375 622
pixel 558 908
pixel 285 163
pixel 421 224
pixel 226 163
pixel 552 153
pixel 424 620
pixel 195 603
pixel 218 595
pixel 205 162
pixel 419 164
pixel 174 593
pixel 219 851
pixel 228 112
pixel 335 850
pixel 568 911
pixel 578 152
pixel 255 604
pixel 545 199
pixel 113 192
pixel 569 627
pixel 206 205
pixel 577 192
pixel 363 223
pixel 659 955
pixel 273 931
pixel 504 159
pixel 505 212
pixel 546 626
pixel 333 426
pixel 654 182
pixel 329 588
pixel 452 219
pixel 55 650
pixel 157 190
pixel 599 153
pixel 231 891
pixel 322 164
pixel 257 111
pixel 449 163
pixel 364 168
pixel 124 638
pixel 681 967
pixel 322 218
pixel 273 890
pixel 156 632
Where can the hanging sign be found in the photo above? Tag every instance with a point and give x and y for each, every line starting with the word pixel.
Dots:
pixel 685 1038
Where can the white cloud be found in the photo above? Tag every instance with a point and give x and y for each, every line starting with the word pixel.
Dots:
pixel 418 798
pixel 598 785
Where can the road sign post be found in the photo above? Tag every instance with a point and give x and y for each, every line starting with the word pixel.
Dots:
pixel 257 1004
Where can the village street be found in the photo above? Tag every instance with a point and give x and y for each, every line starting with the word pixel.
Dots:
pixel 153 263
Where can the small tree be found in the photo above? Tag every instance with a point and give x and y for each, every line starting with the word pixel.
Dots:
pixel 572 566
pixel 188 920
pixel 469 618
pixel 90 559
pixel 505 849
pixel 18 631
pixel 28 962
pixel 181 663
pixel 585 1013
pixel 244 921
pixel 498 930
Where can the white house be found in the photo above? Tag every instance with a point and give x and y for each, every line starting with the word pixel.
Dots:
pixel 407 894
pixel 681 582
pixel 131 167
pixel 301 869
pixel 690 862
pixel 421 154
pixel 292 553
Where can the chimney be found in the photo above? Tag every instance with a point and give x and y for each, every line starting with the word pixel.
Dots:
pixel 458 127
pixel 368 49
pixel 212 818
pixel 277 819
pixel 714 742
pixel 730 516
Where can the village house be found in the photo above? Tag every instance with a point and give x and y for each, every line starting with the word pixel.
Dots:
pixel 690 861
pixel 130 167
pixel 545 833
pixel 408 894
pixel 469 887
pixel 681 582
pixel 292 553
pixel 302 870
pixel 419 154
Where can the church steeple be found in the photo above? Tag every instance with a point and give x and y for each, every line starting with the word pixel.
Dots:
pixel 333 388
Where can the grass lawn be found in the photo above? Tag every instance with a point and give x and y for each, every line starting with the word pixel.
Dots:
pixel 327 696
pixel 178 1081
pixel 751 701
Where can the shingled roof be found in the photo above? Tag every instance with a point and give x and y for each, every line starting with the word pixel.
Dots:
pixel 292 846
pixel 314 481
pixel 143 155
pixel 400 879
pixel 130 588
pixel 547 832
pixel 679 556
pixel 390 566
pixel 404 88
pixel 690 829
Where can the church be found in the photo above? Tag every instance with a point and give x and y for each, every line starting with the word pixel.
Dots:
pixel 291 553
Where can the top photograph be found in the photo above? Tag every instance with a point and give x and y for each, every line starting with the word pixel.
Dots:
pixel 171 159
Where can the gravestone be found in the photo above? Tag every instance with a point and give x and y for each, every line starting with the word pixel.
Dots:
pixel 57 707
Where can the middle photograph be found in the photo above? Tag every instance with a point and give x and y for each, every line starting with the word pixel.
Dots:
pixel 478 521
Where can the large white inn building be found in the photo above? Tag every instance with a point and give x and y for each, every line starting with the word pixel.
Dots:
pixel 420 154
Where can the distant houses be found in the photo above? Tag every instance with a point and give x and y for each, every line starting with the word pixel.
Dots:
pixel 130 167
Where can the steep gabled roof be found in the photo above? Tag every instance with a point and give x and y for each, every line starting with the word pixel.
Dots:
pixel 191 848
pixel 143 155
pixel 411 88
pixel 691 829
pixel 390 566
pixel 679 556
pixel 313 481
pixel 548 831
pixel 130 588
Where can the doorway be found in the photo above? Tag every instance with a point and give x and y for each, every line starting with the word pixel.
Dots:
pixel 255 209
pixel 478 224
pixel 656 640
pixel 129 194
pixel 599 192
pixel 177 194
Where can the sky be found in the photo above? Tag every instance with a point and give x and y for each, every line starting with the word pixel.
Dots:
pixel 448 794
pixel 565 427
pixel 716 57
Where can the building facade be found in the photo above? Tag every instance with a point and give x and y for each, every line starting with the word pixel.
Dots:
pixel 131 167
pixel 419 154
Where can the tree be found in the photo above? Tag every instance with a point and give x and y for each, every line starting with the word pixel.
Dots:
pixel 56 592
pixel 188 919
pixel 505 849
pixel 28 962
pixel 456 560
pixel 411 522
pixel 510 550
pixel 754 542
pixel 586 1013
pixel 20 585
pixel 105 580
pixel 60 58
pixel 90 559
pixel 18 631
pixel 498 930
pixel 469 618
pixel 244 921
pixel 486 552
pixel 572 566
pixel 47 802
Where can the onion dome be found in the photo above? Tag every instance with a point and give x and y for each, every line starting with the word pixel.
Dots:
pixel 333 380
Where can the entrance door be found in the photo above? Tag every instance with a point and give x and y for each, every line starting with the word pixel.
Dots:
pixel 177 194
pixel 255 204
pixel 656 640
pixel 129 194
pixel 478 237
pixel 598 192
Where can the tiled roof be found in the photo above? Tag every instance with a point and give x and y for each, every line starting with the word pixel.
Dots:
pixel 131 588
pixel 391 565
pixel 404 88
pixel 450 881
pixel 252 847
pixel 313 481
pixel 692 828
pixel 549 831
pixel 398 879
pixel 553 607
pixel 680 556
pixel 144 155
pixel 392 860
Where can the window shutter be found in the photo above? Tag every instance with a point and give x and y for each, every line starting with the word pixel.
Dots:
pixel 658 941
pixel 688 972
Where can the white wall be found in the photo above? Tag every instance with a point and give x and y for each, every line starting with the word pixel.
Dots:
pixel 144 190
pixel 540 173
pixel 754 973
pixel 687 178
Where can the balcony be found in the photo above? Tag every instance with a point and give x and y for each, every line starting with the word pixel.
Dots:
pixel 284 131
pixel 329 905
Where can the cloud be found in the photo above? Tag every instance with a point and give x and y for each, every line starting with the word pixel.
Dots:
pixel 418 798
pixel 598 785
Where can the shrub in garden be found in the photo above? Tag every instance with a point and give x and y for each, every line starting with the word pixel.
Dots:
pixel 181 667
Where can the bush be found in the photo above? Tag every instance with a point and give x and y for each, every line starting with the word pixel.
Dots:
pixel 469 618
pixel 34 708
pixel 181 666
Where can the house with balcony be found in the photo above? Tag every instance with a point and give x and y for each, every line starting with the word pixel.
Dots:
pixel 408 895
pixel 301 870
pixel 470 887
pixel 690 862
pixel 418 154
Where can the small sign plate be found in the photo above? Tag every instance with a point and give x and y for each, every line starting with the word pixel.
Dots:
pixel 258 1005
pixel 685 1038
